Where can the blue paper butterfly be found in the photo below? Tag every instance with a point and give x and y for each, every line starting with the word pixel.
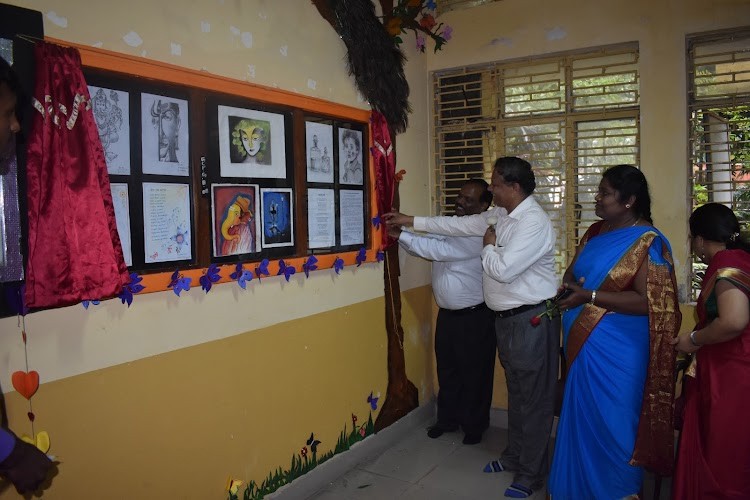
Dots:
pixel 376 221
pixel 380 256
pixel 241 275
pixel 373 400
pixel 127 292
pixel 311 264
pixel 338 265
pixel 86 303
pixel 286 270
pixel 178 283
pixel 262 269
pixel 212 276
pixel 361 256
pixel 313 443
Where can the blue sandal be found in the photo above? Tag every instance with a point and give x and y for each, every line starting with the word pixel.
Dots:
pixel 516 490
pixel 494 466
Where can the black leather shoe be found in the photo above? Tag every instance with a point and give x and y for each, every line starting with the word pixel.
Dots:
pixel 472 438
pixel 436 431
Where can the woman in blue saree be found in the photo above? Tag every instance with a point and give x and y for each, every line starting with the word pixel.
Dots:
pixel 619 318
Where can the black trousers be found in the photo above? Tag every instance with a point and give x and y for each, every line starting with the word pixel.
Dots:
pixel 465 354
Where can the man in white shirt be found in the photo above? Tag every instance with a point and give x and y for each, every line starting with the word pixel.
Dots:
pixel 464 332
pixel 519 277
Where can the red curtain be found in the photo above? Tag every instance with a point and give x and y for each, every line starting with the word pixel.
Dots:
pixel 74 249
pixel 385 168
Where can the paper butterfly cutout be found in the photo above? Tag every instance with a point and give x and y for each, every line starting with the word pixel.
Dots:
pixel 262 269
pixel 431 4
pixel 179 283
pixel 87 303
pixel 41 441
pixel 338 265
pixel 361 256
pixel 241 275
pixel 286 270
pixel 126 295
pixel 313 443
pixel 376 221
pixel 212 276
pixel 379 256
pixel 311 264
pixel 14 296
pixel 26 383
pixel 373 400
pixel 233 485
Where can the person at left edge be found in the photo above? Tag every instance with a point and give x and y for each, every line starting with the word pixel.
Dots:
pixel 464 334
pixel 20 463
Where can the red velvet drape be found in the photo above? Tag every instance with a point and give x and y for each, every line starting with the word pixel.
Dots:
pixel 74 249
pixel 385 168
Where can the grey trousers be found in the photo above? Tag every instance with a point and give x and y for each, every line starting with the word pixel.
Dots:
pixel 530 356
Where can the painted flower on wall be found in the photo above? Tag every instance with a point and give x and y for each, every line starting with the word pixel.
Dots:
pixel 417 16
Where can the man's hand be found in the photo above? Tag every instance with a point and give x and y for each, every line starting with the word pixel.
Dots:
pixel 490 238
pixel 26 467
pixel 398 219
pixel 394 231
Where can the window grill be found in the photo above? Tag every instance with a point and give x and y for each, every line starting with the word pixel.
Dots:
pixel 718 67
pixel 570 115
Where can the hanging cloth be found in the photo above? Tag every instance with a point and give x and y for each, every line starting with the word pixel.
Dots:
pixel 385 169
pixel 74 249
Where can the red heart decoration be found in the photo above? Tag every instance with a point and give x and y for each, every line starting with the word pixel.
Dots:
pixel 31 416
pixel 25 383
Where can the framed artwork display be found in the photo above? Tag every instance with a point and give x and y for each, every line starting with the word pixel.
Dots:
pixel 350 157
pixel 251 143
pixel 278 217
pixel 111 110
pixel 236 219
pixel 166 222
pixel 165 137
pixel 121 202
pixel 319 152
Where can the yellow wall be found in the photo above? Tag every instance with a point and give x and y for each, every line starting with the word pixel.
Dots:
pixel 511 29
pixel 171 396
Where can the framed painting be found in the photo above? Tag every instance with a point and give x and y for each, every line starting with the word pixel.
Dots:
pixel 236 220
pixel 251 143
pixel 278 217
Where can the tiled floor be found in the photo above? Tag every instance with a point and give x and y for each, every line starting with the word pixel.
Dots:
pixel 436 469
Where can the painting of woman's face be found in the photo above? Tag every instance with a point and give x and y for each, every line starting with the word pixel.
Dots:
pixel 251 141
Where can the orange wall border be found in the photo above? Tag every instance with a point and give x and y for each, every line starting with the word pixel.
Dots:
pixel 170 73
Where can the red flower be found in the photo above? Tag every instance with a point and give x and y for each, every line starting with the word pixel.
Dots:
pixel 303 452
pixel 427 22
pixel 536 320
pixel 362 431
pixel 354 419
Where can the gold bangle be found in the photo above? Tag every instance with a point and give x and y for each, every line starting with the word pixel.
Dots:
pixel 593 297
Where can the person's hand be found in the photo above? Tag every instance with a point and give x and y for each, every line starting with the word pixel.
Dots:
pixel 578 295
pixel 394 231
pixel 682 343
pixel 490 238
pixel 26 467
pixel 398 219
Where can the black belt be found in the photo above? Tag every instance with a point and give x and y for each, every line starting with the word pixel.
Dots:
pixel 517 310
pixel 467 310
